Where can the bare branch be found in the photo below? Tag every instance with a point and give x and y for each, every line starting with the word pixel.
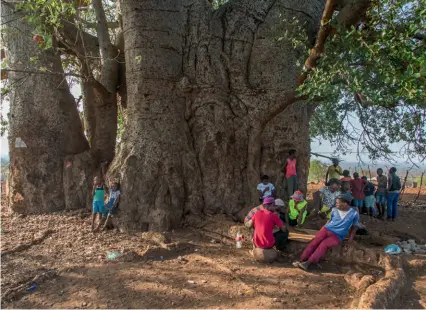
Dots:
pixel 109 74
pixel 43 72
pixel 110 25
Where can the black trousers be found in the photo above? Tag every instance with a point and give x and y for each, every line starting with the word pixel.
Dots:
pixel 281 239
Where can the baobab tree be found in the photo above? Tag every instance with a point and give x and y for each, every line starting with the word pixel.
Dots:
pixel 214 96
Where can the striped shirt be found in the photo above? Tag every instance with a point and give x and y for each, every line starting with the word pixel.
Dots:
pixel 253 212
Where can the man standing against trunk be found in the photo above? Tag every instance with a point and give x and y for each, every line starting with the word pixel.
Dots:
pixel 289 170
pixel 334 171
pixel 394 188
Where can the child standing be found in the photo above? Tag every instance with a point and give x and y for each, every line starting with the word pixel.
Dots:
pixel 357 189
pixel 344 219
pixel 114 199
pixel 297 209
pixel 98 193
pixel 369 197
pixel 265 189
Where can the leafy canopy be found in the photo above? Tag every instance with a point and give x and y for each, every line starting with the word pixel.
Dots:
pixel 374 74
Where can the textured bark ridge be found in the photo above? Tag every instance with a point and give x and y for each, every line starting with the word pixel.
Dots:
pixel 207 91
pixel 44 123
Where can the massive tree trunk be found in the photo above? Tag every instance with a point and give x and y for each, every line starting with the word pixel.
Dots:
pixel 45 132
pixel 209 105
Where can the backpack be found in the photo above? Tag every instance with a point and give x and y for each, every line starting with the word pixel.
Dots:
pixel 396 183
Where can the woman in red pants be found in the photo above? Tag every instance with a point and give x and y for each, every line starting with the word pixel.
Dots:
pixel 344 219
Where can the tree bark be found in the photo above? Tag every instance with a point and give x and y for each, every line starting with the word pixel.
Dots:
pixel 209 95
pixel 44 124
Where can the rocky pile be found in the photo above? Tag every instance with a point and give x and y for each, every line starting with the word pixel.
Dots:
pixel 410 247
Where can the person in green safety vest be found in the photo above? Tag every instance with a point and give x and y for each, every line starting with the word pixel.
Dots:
pixel 297 209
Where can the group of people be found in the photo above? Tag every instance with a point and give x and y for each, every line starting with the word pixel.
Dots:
pixel 271 230
pixel 376 199
pixel 341 202
pixel 100 193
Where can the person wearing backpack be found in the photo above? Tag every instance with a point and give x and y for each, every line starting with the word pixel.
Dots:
pixel 394 188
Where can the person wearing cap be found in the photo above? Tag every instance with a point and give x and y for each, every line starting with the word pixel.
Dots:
pixel 248 219
pixel 297 209
pixel 265 222
pixel 334 171
pixel 344 220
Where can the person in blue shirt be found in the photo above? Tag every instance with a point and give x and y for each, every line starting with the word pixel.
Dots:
pixel 266 189
pixel 344 220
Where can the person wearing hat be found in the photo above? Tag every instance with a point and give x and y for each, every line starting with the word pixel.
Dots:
pixel 297 209
pixel 265 239
pixel 334 171
pixel 344 220
pixel 248 219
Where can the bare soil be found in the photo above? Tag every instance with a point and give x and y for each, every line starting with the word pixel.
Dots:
pixel 196 269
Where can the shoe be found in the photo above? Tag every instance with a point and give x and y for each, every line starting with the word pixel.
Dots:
pixel 304 266
pixel 295 264
pixel 388 218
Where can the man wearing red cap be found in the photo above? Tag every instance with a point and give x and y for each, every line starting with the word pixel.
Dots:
pixel 264 219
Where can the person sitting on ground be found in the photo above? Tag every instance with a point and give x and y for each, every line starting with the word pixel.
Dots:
pixel 264 221
pixel 297 209
pixel 394 188
pixel 248 219
pixel 334 171
pixel 381 193
pixel 290 172
pixel 98 194
pixel 345 182
pixel 357 189
pixel 281 209
pixel 325 198
pixel 369 197
pixel 344 219
pixel 265 189
pixel 111 207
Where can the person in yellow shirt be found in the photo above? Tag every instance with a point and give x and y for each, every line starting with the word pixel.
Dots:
pixel 334 171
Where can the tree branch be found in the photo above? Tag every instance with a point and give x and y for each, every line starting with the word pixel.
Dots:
pixel 109 72
pixel 43 72
pixel 76 41
pixel 110 25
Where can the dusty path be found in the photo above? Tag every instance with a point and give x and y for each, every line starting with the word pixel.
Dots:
pixel 196 273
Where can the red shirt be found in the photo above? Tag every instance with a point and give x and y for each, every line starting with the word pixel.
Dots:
pixel 264 222
pixel 357 188
pixel 290 168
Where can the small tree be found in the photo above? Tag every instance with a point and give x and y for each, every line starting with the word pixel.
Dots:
pixel 317 170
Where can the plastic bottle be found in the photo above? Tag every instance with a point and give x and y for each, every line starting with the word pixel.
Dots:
pixel 239 240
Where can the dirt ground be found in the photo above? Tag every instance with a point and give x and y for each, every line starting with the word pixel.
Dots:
pixel 70 269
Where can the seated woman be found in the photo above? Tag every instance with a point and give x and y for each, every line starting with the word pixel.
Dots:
pixel 344 219
pixel 325 198
pixel 296 212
